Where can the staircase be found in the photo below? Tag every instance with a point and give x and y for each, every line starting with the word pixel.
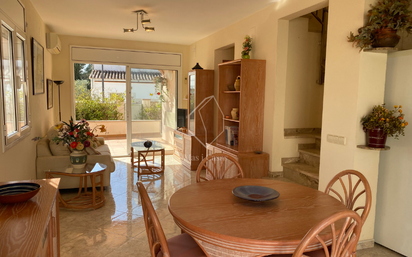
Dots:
pixel 304 169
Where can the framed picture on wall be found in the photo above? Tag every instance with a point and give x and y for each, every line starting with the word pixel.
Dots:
pixel 49 94
pixel 37 58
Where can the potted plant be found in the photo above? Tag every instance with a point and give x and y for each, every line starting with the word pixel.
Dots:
pixel 77 136
pixel 161 88
pixel 381 123
pixel 385 18
pixel 247 47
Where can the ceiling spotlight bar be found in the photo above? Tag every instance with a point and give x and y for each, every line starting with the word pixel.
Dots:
pixel 143 21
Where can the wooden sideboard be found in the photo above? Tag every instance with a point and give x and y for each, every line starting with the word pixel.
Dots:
pixel 31 228
pixel 188 149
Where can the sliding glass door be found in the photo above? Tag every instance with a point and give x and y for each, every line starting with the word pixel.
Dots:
pixel 151 104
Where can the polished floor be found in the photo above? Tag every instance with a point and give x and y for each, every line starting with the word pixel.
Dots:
pixel 118 144
pixel 117 229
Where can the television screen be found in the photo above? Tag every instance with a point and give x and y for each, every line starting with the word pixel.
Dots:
pixel 181 118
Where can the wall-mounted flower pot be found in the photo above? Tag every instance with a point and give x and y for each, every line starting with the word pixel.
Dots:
pixel 376 138
pixel 386 37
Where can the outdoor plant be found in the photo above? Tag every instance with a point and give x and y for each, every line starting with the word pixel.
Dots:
pixel 152 112
pixel 385 14
pixel 161 87
pixel 76 135
pixel 91 106
pixel 392 122
pixel 247 47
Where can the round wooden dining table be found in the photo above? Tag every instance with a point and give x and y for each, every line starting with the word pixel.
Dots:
pixel 225 225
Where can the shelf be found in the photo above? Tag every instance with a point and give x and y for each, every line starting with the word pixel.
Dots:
pixel 381 50
pixel 372 148
pixel 231 120
pixel 231 92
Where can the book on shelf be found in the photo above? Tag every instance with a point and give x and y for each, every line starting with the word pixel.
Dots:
pixel 232 135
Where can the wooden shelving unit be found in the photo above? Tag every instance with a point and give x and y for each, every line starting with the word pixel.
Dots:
pixel 250 101
pixel 232 120
pixel 188 149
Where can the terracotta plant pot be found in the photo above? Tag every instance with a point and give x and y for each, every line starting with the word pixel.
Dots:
pixel 386 37
pixel 376 138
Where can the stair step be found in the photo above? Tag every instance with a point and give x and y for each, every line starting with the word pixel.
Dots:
pixel 302 135
pixel 302 173
pixel 303 168
pixel 312 151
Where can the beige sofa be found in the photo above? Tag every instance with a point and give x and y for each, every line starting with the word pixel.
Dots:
pixel 46 161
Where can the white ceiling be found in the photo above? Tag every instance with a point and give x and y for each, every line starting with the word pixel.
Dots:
pixel 176 21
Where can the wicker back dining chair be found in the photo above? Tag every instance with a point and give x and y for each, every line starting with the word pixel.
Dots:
pixel 179 246
pixel 352 191
pixel 344 238
pixel 218 166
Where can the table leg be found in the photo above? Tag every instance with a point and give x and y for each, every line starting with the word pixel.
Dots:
pixel 132 155
pixel 93 180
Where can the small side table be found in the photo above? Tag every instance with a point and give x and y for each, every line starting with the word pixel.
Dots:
pixel 84 200
pixel 146 166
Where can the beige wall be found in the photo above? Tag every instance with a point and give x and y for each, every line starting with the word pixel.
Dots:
pixel 19 162
pixel 304 97
pixel 61 62
pixel 344 91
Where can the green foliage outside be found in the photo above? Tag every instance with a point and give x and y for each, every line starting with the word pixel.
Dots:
pixel 82 72
pixel 152 112
pixel 91 106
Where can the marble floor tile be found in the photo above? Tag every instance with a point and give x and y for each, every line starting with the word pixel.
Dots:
pixel 117 229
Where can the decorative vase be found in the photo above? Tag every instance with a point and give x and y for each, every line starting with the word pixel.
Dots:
pixel 197 67
pixel 148 144
pixel 246 56
pixel 386 37
pixel 235 113
pixel 78 159
pixel 376 138
pixel 237 83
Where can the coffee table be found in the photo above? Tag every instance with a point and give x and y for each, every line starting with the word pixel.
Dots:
pixel 84 200
pixel 146 166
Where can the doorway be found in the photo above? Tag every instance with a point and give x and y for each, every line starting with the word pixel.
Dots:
pixel 101 96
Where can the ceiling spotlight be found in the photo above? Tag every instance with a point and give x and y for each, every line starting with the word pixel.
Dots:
pixel 142 21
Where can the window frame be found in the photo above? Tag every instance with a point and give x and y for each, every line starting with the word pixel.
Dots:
pixel 8 141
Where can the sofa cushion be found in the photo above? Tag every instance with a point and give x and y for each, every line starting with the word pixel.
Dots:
pixel 59 149
pixel 56 149
pixel 103 149
pixel 43 149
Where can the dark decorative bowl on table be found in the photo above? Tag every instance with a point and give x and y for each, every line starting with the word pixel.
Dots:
pixel 255 193
pixel 18 192
pixel 148 144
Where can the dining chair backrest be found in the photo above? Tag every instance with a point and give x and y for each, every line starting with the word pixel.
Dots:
pixel 218 166
pixel 155 234
pixel 352 191
pixel 344 238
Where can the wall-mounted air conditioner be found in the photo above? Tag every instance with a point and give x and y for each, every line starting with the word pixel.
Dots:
pixel 53 43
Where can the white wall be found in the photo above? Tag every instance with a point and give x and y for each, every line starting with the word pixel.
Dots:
pixel 304 97
pixel 20 161
pixel 394 205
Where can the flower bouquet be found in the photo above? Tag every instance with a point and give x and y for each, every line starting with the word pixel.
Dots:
pixel 77 136
pixel 247 47
pixel 381 123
